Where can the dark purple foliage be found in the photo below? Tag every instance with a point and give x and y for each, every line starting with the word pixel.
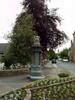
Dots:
pixel 45 24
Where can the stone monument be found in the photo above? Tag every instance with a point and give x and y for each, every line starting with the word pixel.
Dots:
pixel 36 71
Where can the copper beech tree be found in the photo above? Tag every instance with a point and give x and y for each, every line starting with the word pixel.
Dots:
pixel 45 23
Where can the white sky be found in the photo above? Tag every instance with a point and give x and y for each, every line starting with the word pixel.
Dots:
pixel 9 10
pixel 67 13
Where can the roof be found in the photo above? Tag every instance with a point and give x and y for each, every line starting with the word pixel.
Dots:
pixel 3 47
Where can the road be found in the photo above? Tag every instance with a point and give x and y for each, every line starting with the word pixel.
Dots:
pixel 12 82
pixel 69 66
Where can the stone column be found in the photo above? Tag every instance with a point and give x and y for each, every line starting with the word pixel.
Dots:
pixel 36 71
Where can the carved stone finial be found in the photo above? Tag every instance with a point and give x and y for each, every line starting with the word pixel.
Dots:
pixel 37 40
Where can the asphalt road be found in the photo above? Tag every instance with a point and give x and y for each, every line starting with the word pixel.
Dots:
pixel 69 66
pixel 12 82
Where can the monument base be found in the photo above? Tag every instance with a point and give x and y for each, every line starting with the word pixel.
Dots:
pixel 37 77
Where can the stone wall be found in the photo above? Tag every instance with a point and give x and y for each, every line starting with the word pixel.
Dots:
pixel 14 72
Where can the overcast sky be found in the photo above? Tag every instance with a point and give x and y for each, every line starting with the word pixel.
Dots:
pixel 67 13
pixel 9 10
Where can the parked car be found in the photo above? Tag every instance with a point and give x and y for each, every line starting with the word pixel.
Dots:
pixel 65 60
pixel 53 60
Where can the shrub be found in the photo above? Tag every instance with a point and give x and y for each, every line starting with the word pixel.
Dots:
pixel 63 75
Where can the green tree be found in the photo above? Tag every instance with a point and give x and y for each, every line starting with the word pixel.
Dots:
pixel 45 23
pixel 21 39
pixel 64 53
pixel 50 54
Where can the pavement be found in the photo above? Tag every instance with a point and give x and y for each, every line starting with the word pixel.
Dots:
pixel 69 66
pixel 13 82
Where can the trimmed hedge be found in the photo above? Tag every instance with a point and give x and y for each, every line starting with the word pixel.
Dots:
pixel 63 75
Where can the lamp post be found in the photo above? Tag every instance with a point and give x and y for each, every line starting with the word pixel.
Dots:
pixel 36 71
